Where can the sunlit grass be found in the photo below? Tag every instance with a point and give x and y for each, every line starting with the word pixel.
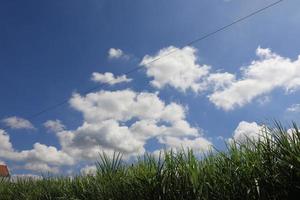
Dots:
pixel 265 169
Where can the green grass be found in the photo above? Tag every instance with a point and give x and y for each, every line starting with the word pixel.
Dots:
pixel 267 169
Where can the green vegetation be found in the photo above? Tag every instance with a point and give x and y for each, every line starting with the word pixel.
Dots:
pixel 267 169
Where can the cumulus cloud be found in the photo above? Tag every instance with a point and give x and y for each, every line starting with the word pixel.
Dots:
pixel 18 177
pixel 39 153
pixel 17 123
pixel 5 144
pixel 37 158
pixel 177 68
pixel 114 53
pixel 47 154
pixel 197 144
pixel 246 130
pixel 89 170
pixel 264 100
pixel 54 125
pixel 109 78
pixel 219 81
pixel 41 168
pixel 252 131
pixel 262 76
pixel 123 105
pixel 122 121
pixel 294 108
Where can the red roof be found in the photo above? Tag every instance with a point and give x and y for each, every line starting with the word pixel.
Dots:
pixel 4 171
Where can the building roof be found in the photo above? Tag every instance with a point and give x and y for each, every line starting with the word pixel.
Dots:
pixel 4 171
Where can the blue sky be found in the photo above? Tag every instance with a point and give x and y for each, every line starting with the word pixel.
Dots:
pixel 50 49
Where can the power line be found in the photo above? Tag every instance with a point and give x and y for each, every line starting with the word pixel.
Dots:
pixel 158 58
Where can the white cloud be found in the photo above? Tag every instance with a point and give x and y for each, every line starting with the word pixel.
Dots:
pixel 54 125
pixel 179 69
pixel 89 170
pixel 41 168
pixel 5 144
pixel 262 76
pixel 47 154
pixel 17 123
pixel 108 134
pixel 18 177
pixel 246 130
pixel 294 108
pixel 264 100
pixel 255 132
pixel 219 81
pixel 292 133
pixel 39 153
pixel 123 105
pixel 197 144
pixel 37 158
pixel 109 78
pixel 114 53
pixel 122 121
